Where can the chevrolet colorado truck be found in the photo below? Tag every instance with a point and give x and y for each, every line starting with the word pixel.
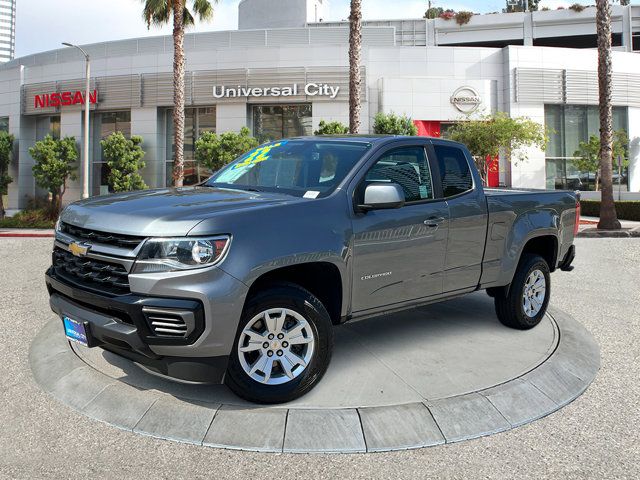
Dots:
pixel 241 279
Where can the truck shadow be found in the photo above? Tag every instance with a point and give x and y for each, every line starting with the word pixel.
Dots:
pixel 426 353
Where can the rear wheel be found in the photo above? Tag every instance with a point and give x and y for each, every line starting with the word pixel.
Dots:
pixel 283 345
pixel 528 296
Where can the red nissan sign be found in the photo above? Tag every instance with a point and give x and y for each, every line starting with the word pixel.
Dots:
pixel 63 99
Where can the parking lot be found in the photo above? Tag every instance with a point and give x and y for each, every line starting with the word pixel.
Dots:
pixel 594 437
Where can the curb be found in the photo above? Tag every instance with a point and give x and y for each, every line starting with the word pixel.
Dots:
pixel 25 235
pixel 622 233
pixel 554 383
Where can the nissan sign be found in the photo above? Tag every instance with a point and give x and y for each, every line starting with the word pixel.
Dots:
pixel 466 99
pixel 63 99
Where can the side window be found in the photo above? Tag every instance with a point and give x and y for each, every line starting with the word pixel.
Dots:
pixel 454 170
pixel 408 168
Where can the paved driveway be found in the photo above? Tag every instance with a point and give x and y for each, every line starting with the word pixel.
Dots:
pixel 594 437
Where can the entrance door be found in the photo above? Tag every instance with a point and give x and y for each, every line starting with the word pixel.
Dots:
pixel 398 254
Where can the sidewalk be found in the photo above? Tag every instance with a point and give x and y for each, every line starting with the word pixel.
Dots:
pixel 588 229
pixel 25 233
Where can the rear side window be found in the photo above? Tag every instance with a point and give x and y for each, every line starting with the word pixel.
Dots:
pixel 454 170
pixel 408 168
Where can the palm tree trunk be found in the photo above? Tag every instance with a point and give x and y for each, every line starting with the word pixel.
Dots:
pixel 608 217
pixel 355 46
pixel 178 92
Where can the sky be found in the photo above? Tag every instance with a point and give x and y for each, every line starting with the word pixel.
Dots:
pixel 40 28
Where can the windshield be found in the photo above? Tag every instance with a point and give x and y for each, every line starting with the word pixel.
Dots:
pixel 301 168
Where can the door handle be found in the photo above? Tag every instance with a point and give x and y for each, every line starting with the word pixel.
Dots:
pixel 433 222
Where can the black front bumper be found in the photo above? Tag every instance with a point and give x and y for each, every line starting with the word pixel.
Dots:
pixel 119 324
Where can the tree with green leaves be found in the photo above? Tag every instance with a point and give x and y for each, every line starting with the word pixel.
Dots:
pixel 331 128
pixel 55 166
pixel 161 12
pixel 433 12
pixel 215 151
pixel 392 124
pixel 587 157
pixel 489 135
pixel 6 147
pixel 124 159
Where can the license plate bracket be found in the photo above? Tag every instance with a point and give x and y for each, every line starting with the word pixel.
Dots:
pixel 77 331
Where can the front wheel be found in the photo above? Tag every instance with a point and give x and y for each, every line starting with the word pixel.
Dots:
pixel 526 301
pixel 283 345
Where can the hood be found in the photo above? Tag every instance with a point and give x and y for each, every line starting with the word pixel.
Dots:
pixel 163 212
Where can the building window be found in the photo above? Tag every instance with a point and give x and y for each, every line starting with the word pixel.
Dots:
pixel 4 124
pixel 273 122
pixel 104 124
pixel 569 125
pixel 196 122
pixel 48 126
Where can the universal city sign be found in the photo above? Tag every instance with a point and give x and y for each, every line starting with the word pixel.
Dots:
pixel 310 90
pixel 466 99
pixel 63 99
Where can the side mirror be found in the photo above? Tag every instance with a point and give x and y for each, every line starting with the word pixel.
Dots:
pixel 379 196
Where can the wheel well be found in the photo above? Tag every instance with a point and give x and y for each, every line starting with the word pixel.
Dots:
pixel 546 246
pixel 322 279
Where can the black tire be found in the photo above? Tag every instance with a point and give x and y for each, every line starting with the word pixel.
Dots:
pixel 294 297
pixel 510 308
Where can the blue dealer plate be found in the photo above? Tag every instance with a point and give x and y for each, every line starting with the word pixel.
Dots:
pixel 75 331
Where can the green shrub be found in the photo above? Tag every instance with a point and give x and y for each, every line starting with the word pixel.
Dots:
pixel 6 147
pixel 124 158
pixel 392 124
pixel 331 128
pixel 463 17
pixel 215 151
pixel 626 210
pixel 55 166
pixel 38 218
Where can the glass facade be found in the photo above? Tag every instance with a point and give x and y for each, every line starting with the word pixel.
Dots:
pixel 570 125
pixel 196 121
pixel 273 122
pixel 104 124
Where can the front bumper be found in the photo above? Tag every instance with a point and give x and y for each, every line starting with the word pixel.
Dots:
pixel 121 324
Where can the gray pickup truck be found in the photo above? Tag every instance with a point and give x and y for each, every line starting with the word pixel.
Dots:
pixel 241 279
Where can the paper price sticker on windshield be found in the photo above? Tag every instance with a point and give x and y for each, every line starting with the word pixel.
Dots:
pixel 311 194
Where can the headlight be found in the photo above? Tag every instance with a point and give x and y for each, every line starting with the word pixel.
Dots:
pixel 171 254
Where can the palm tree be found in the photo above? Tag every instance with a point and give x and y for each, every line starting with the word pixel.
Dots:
pixel 355 46
pixel 608 216
pixel 160 12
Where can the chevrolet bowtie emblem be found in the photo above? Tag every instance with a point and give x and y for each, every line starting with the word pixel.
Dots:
pixel 79 249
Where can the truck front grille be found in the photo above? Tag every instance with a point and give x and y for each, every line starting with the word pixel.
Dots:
pixel 91 273
pixel 115 239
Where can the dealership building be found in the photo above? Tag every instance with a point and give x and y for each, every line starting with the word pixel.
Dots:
pixel 285 69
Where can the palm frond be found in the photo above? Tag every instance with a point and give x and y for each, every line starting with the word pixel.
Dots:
pixel 204 8
pixel 187 18
pixel 156 12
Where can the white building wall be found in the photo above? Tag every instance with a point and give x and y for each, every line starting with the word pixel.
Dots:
pixel 634 149
pixel 231 117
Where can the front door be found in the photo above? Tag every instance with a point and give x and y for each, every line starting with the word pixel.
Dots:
pixel 398 254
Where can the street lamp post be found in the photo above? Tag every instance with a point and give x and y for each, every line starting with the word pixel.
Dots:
pixel 85 142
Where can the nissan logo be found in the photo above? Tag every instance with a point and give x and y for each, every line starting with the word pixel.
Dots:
pixel 466 99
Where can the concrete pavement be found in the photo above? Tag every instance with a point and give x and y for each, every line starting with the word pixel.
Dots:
pixel 596 436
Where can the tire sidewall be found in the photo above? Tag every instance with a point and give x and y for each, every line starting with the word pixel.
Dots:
pixel 531 264
pixel 301 301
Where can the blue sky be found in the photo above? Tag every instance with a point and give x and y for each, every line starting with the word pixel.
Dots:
pixel 89 21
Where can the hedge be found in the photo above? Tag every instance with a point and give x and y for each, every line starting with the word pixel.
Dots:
pixel 626 210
